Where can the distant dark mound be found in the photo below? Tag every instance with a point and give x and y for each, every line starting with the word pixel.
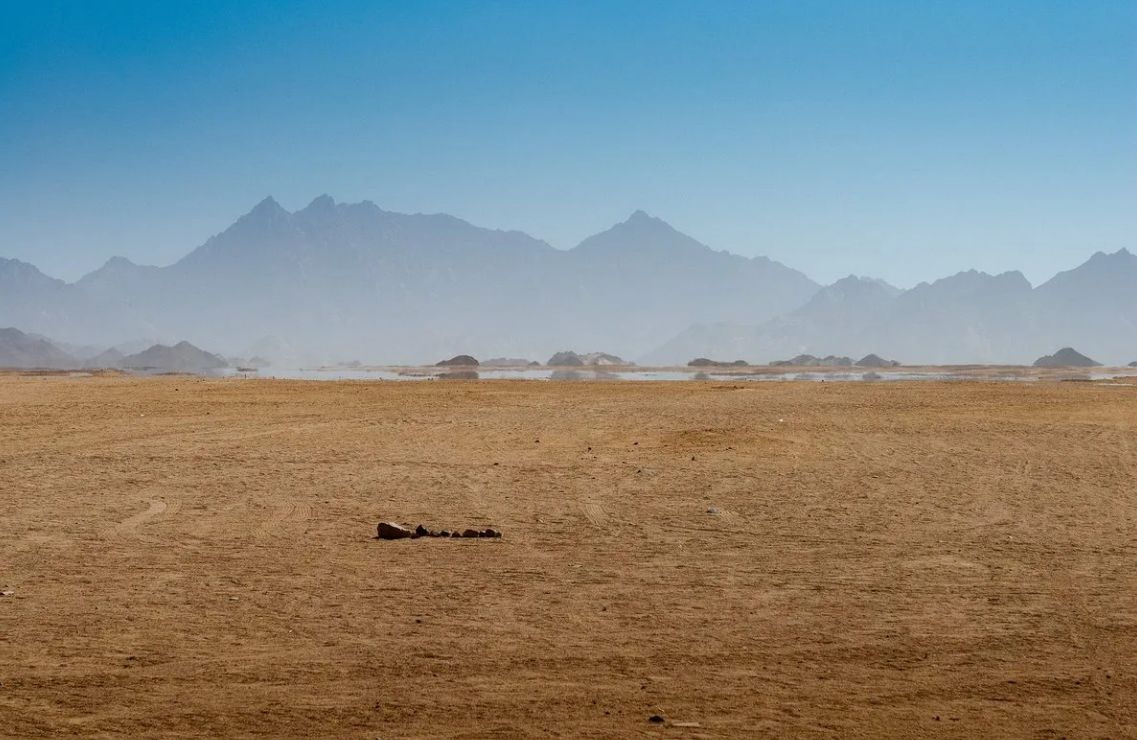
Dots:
pixel 507 362
pixel 572 359
pixel 704 362
pixel 603 358
pixel 18 350
pixel 871 360
pixel 183 357
pixel 565 359
pixel 1133 364
pixel 1066 357
pixel 811 361
pixel 458 361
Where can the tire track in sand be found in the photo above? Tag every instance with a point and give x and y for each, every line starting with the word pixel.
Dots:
pixel 156 509
pixel 285 513
pixel 595 513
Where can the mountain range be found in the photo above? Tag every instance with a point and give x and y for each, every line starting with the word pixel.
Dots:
pixel 344 281
pixel 971 317
pixel 335 282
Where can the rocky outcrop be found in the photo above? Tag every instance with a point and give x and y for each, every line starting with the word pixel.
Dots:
pixel 572 359
pixel 1066 357
pixel 183 357
pixel 565 359
pixel 392 531
pixel 872 360
pixel 458 361
pixel 811 361
pixel 704 362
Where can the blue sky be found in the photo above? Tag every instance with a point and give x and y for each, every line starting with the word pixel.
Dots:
pixel 905 140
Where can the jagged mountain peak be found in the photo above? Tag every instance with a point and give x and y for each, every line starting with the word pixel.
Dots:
pixel 1102 269
pixel 264 215
pixel 975 280
pixel 18 271
pixel 862 282
pixel 323 202
pixel 1122 258
pixel 13 265
pixel 641 232
pixel 267 207
pixel 851 293
pixel 118 262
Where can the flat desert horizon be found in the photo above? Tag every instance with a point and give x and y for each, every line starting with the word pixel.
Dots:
pixel 187 556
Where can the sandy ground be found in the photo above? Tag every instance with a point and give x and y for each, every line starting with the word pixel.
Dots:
pixel 191 557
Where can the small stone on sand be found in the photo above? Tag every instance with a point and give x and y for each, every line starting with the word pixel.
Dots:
pixel 392 531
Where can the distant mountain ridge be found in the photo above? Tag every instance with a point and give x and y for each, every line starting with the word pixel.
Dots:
pixel 970 317
pixel 345 281
pixel 335 282
pixel 19 350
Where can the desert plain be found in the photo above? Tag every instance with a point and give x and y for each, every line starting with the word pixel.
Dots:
pixel 191 557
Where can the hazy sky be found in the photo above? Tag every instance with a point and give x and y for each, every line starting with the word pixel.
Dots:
pixel 906 140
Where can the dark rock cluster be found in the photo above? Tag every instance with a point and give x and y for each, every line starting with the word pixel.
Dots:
pixel 812 361
pixel 872 360
pixel 572 359
pixel 393 531
pixel 705 362
pixel 458 361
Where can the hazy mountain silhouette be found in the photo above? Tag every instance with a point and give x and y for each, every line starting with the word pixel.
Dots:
pixel 340 281
pixel 830 322
pixel 971 317
pixel 337 282
pixel 183 357
pixel 19 350
pixel 1093 307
